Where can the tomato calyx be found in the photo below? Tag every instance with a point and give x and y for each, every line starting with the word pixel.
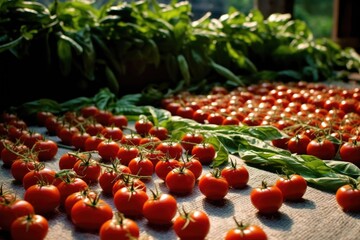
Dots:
pixel 6 197
pixel 93 200
pixel 186 215
pixel 241 226
pixel 216 172
pixel 355 185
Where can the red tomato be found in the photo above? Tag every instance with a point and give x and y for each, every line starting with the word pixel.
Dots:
pixel 180 181
pixel 130 201
pixel 66 133
pixel 245 232
pixel 293 187
pixel 192 225
pixel 92 142
pixel 103 117
pixel 78 140
pixel 32 227
pixel 160 209
pixel 236 175
pixel 46 149
pixel 205 152
pixel 131 139
pixel 149 142
pixel 160 132
pixel 75 197
pixel 155 156
pixel 69 186
pixel 348 197
pixel 119 121
pixel 200 115
pixel 189 140
pixel 108 150
pixel 194 165
pixel 89 111
pixel 68 160
pixel 215 118
pixel 45 198
pixel 126 153
pixel 266 199
pixel 185 112
pixel 12 152
pixel 29 138
pixel 230 120
pixel 213 186
pixel 321 148
pixel 119 228
pixel 40 173
pixel 94 129
pixel 112 132
pixel 171 149
pixel 141 166
pixel 90 213
pixel 42 116
pixel 164 166
pixel 127 181
pixel 143 125
pixel 20 167
pixel 109 176
pixel 11 210
pixel 350 152
pixel 88 169
pixel 298 143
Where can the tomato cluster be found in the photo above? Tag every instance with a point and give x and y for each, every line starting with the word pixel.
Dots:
pixel 121 162
pixel 320 120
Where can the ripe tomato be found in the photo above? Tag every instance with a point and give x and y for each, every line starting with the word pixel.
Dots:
pixel 108 150
pixel 189 140
pixel 180 181
pixel 126 181
pixel 130 201
pixel 126 153
pixel 245 232
pixel 70 185
pixel 213 185
pixel 46 149
pixel 185 112
pixel 94 129
pixel 192 225
pixel 29 138
pixel 236 175
pixel 149 142
pixel 78 140
pixel 75 197
pixel 66 133
pixel 20 167
pixel 11 209
pixel 42 116
pixel 164 166
pixel 92 142
pixel 31 226
pixel 131 139
pixel 348 197
pixel 90 213
pixel 160 132
pixel 143 125
pixel 160 209
pixel 205 152
pixel 293 187
pixel 45 198
pixel 321 148
pixel 88 169
pixel 266 199
pixel 119 121
pixel 103 117
pixel 112 132
pixel 119 227
pixel 298 143
pixel 68 160
pixel 194 165
pixel 350 152
pixel 171 149
pixel 12 152
pixel 40 173
pixel 141 166
pixel 89 111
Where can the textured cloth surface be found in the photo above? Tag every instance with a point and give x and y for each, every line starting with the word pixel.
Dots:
pixel 316 217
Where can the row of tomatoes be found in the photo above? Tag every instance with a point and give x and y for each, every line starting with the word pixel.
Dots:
pixel 111 171
pixel 320 120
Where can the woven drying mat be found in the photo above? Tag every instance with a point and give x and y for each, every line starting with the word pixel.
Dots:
pixel 317 217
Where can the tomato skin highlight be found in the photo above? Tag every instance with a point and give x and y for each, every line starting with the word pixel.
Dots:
pixel 348 198
pixel 32 227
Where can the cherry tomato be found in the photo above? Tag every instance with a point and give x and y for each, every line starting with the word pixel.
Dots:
pixel 348 197
pixel 29 138
pixel 11 209
pixel 192 225
pixel 164 166
pixel 45 198
pixel 236 175
pixel 108 150
pixel 12 152
pixel 171 149
pixel 180 181
pixel 149 142
pixel 112 132
pixel 126 153
pixel 194 165
pixel 46 149
pixel 298 143
pixel 141 166
pixel 130 201
pixel 89 111
pixel 119 121
pixel 75 197
pixel 120 228
pixel 293 187
pixel 103 117
pixel 350 152
pixel 213 186
pixel 78 140
pixel 20 167
pixel 40 173
pixel 205 152
pixel 31 226
pixel 94 129
pixel 92 142
pixel 70 185
pixel 109 176
pixel 189 140
pixel 266 199
pixel 90 213
pixel 321 148
pixel 66 133
pixel 245 232
pixel 131 139
pixel 160 132
pixel 143 125
pixel 88 169
pixel 127 181
pixel 160 209
pixel 68 160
